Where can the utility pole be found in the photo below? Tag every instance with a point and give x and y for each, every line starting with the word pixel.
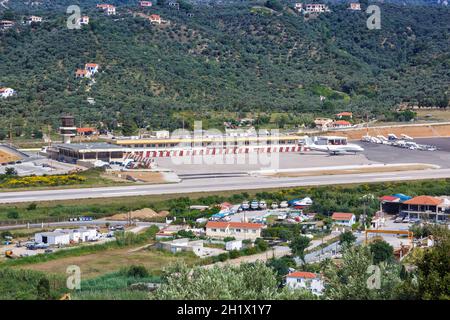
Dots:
pixel 10 133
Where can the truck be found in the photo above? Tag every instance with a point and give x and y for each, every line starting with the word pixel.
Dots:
pixel 10 254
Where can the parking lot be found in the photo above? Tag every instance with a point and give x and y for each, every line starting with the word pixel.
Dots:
pixel 39 166
pixel 389 154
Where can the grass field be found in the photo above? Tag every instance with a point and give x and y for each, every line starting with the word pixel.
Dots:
pixel 433 115
pixel 93 265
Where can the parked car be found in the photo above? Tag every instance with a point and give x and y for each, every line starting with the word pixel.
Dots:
pixel 254 205
pixel 414 220
pixel 398 220
pixel 262 205
pixel 406 220
pixel 245 205
pixel 284 204
pixel 274 205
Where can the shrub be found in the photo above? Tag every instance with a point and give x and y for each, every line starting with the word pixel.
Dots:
pixel 32 206
pixel 137 272
pixel 234 254
pixel 261 245
pixel 223 257
pixel 12 214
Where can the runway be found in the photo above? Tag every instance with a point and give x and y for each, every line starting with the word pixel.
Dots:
pixel 217 184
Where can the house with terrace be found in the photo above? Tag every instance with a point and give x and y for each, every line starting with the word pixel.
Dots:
pixel 427 207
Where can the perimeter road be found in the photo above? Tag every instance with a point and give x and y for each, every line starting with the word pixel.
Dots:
pixel 215 184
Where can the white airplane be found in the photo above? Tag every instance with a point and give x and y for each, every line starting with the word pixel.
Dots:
pixel 333 145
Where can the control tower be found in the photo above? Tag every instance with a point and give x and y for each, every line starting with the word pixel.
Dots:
pixel 68 128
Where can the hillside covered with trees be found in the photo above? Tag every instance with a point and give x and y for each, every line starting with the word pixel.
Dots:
pixel 240 57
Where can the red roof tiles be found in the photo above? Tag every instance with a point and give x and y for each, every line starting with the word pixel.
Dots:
pixel 389 199
pixel 301 274
pixel 424 200
pixel 342 216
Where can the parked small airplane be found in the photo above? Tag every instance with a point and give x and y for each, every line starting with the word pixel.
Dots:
pixel 333 145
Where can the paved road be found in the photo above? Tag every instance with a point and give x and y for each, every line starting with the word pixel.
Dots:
pixel 77 224
pixel 214 184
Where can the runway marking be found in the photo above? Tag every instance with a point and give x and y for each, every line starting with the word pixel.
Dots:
pixel 122 193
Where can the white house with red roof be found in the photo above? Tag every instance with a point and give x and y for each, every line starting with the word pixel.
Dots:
pixel 84 20
pixel 86 131
pixel 34 19
pixel 238 230
pixel 82 73
pixel 155 18
pixel 7 92
pixel 340 124
pixel 92 67
pixel 356 6
pixel 316 8
pixel 344 219
pixel 345 114
pixel 109 9
pixel 305 280
pixel 6 24
pixel 145 3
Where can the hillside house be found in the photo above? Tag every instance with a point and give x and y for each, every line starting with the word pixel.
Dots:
pixel 322 123
pixel 91 67
pixel 340 124
pixel 155 18
pixel 82 73
pixel 7 92
pixel 6 24
pixel 84 20
pixel 145 4
pixel 33 19
pixel 344 219
pixel 305 280
pixel 344 115
pixel 356 6
pixel 298 6
pixel 109 9
pixel 238 230
pixel 316 8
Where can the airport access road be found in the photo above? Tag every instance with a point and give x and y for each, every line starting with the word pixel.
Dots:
pixel 214 184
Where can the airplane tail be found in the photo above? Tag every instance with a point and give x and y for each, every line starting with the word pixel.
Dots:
pixel 309 141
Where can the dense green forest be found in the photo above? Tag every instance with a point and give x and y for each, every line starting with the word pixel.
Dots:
pixel 221 57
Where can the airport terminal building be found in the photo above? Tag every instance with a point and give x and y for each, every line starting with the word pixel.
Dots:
pixel 89 152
